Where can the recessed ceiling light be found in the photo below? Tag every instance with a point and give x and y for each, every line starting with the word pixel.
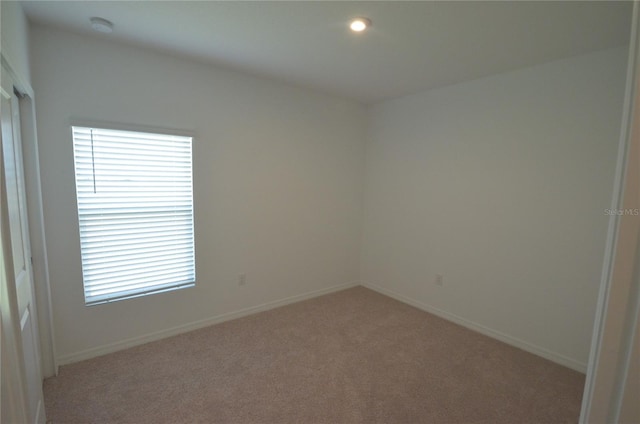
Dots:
pixel 101 25
pixel 359 24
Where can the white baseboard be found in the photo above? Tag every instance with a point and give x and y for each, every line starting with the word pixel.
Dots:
pixel 157 335
pixel 135 341
pixel 521 344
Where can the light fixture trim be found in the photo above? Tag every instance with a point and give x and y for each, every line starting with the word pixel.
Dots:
pixel 101 25
pixel 359 24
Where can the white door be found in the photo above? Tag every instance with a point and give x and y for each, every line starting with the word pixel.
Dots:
pixel 18 271
pixel 13 407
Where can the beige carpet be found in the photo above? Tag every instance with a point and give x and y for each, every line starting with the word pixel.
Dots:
pixel 349 357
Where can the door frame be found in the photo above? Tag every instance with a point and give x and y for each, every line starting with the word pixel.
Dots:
pixel 618 300
pixel 37 239
pixel 12 371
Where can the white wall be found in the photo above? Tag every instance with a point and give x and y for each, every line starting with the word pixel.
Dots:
pixel 14 40
pixel 500 185
pixel 277 183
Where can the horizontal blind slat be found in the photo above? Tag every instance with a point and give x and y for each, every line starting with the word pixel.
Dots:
pixel 127 294
pixel 140 287
pixel 138 274
pixel 126 263
pixel 128 284
pixel 113 253
pixel 131 243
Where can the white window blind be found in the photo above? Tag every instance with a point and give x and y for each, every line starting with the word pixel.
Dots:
pixel 135 208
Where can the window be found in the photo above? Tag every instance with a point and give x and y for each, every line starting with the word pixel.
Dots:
pixel 135 209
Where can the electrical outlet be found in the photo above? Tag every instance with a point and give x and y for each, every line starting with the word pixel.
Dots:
pixel 242 279
pixel 439 280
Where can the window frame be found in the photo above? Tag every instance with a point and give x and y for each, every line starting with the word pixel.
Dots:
pixel 110 126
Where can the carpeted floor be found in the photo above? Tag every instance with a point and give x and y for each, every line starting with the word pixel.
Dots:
pixel 350 357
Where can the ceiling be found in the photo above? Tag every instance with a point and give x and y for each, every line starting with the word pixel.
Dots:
pixel 412 46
